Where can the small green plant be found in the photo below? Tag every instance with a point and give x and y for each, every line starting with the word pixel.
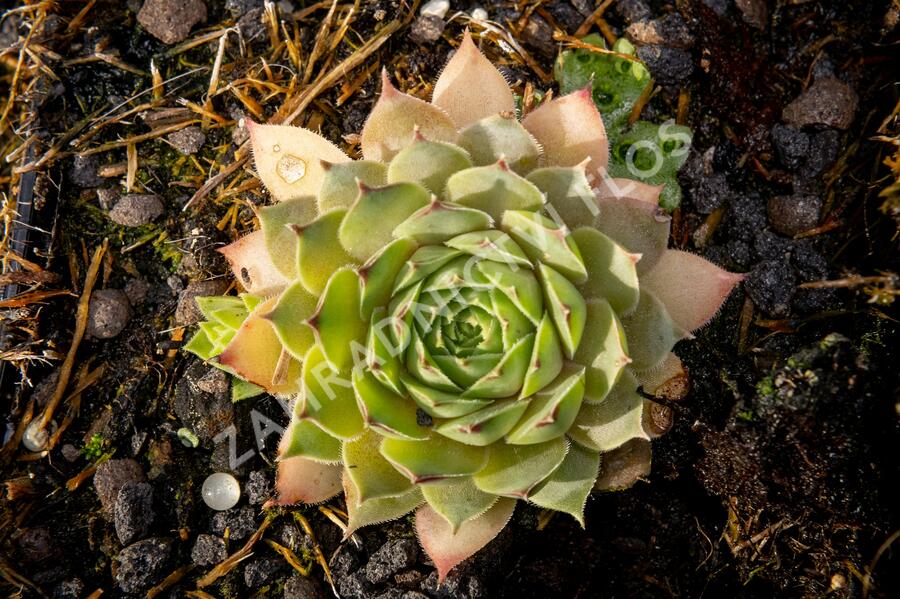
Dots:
pixel 462 320
pixel 93 449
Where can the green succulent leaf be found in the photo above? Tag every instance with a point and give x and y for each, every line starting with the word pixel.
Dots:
pixel 611 270
pixel 441 404
pixel 603 350
pixel 241 390
pixel 518 284
pixel 337 325
pixel 281 241
pixel 328 397
pixel 546 242
pixel 492 245
pixel 429 163
pixel 457 500
pixel 289 318
pixel 505 379
pixel 485 426
pixel 493 189
pixel 376 511
pixel 377 276
pixel 552 410
pixel 614 421
pixel 546 358
pixel 439 222
pixel 432 459
pixel 319 252
pixel 500 137
pixel 651 332
pixel 340 185
pixel 515 470
pixel 569 194
pixel 372 475
pixel 392 415
pixel 566 306
pixel 227 310
pixel 567 489
pixel 382 356
pixel 370 222
pixel 423 263
pixel 303 438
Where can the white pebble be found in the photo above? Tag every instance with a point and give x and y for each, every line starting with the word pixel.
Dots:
pixel 221 491
pixel 34 439
pixel 437 8
pixel 479 14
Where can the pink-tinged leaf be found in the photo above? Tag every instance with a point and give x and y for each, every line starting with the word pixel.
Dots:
pixel 570 130
pixel 289 159
pixel 394 119
pixel 470 88
pixel 255 354
pixel 447 548
pixel 669 380
pixel 692 288
pixel 639 227
pixel 299 479
pixel 252 266
pixel 622 467
pixel 628 188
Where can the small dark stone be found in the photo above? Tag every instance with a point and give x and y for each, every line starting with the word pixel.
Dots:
pixel 70 452
pixel 539 34
pixel 794 214
pixel 36 544
pixel 427 29
pixel 237 8
pixel 208 550
pixel 739 254
pixel 111 476
pixel 771 286
pixel 136 209
pixel 170 21
pixel 261 571
pixel 455 586
pixel 134 511
pixel 823 151
pixel 755 12
pixel 258 487
pixel 302 587
pixel 107 197
pixel 143 564
pixel 252 26
pixel 241 523
pixel 746 215
pixel 669 30
pixel 828 101
pixel 354 586
pixel 391 558
pixel 791 145
pixel 187 312
pixel 768 245
pixel 69 589
pixel 669 66
pixel 137 290
pixel 83 171
pixel 710 193
pixel 188 140
pixel 423 418
pixel 720 7
pixel 205 413
pixel 109 312
pixel 633 10
pixel 569 17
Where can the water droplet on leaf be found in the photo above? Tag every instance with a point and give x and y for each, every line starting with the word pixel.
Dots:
pixel 290 168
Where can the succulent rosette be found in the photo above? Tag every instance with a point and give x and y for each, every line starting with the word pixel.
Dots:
pixel 466 316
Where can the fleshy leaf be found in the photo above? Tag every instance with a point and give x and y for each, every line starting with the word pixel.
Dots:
pixel 470 88
pixel 569 194
pixel 447 547
pixel 611 187
pixel 491 245
pixel 485 426
pixel 441 404
pixel 612 274
pixel 280 240
pixel 252 266
pixel 691 288
pixel 603 350
pixel 301 480
pixel 319 253
pixel 544 241
pixel 377 276
pixel 426 261
pixel 566 307
pixel 637 226
pixel 328 397
pixel 395 117
pixel 370 473
pixel 552 410
pixel 431 459
pixel 241 390
pixel 438 222
pixel 255 354
pixel 611 423
pixel 570 129
pixel 624 466
pixel 546 358
pixel 340 187
pixel 382 357
pixel 376 511
pixel 519 285
pixel 493 189
pixel 669 380
pixel 393 415
pixel 457 500
pixel 651 332
pixel 288 317
pixel 337 324
pixel 305 439
pixel 369 224
pixel 289 159
pixel 567 489
pixel 505 379
pixel 429 163
pixel 515 470
pixel 501 137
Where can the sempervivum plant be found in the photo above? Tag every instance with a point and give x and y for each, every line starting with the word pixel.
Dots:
pixel 464 320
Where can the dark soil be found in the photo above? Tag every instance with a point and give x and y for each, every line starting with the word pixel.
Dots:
pixel 779 476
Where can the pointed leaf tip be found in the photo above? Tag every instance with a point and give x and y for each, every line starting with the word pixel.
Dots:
pixel 470 88
pixel 301 479
pixel 692 288
pixel 447 548
pixel 252 265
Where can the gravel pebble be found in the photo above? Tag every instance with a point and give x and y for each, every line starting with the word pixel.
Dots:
pixel 771 286
pixel 70 452
pixel 794 214
pixel 828 101
pixel 261 571
pixel 205 414
pixel 239 7
pixel 137 290
pixel 633 10
pixel 669 30
pixel 539 34
pixel 455 586
pixel 111 476
pixel 36 544
pixel 83 171
pixel 301 587
pixel 170 21
pixel 69 589
pixel 143 564
pixel 258 488
pixel 187 312
pixel 754 12
pixel 188 140
pixel 208 550
pixel 134 513
pixel 393 557
pixel 427 29
pixel 109 312
pixel 240 521
pixel 669 66
pixel 136 209
pixel 107 197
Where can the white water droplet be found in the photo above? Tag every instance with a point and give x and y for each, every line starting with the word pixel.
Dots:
pixel 290 168
pixel 34 439
pixel 437 8
pixel 221 491
pixel 276 148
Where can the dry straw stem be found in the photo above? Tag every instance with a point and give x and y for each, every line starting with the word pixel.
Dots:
pixel 230 562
